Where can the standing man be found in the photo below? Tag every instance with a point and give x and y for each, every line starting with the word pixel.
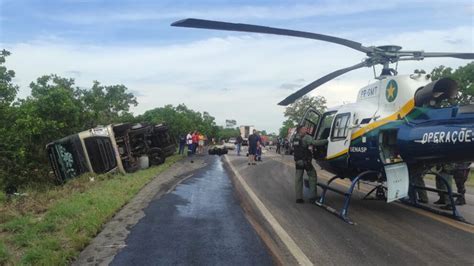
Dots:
pixel 195 138
pixel 446 172
pixel 189 142
pixel 253 143
pixel 416 177
pixel 201 143
pixel 461 173
pixel 182 142
pixel 302 144
pixel 238 143
pixel 278 145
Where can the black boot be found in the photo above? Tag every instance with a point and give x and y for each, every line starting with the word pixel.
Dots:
pixel 440 201
pixel 460 201
pixel 448 207
pixel 299 201
pixel 423 200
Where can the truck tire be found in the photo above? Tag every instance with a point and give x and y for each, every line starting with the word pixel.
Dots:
pixel 156 156
pixel 129 168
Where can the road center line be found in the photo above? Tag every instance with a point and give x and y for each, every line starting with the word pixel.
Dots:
pixel 282 234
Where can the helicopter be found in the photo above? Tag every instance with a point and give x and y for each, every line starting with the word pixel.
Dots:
pixel 399 128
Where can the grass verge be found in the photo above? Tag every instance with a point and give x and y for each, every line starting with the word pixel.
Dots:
pixel 51 227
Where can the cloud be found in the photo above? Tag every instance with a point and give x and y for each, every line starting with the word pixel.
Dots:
pixel 231 77
pixel 298 83
pixel 276 12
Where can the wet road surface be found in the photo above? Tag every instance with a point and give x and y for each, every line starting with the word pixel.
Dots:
pixel 199 223
pixel 384 234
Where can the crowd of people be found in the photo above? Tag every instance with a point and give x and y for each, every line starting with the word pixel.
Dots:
pixel 457 171
pixel 195 142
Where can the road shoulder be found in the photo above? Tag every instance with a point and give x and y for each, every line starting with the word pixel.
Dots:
pixel 111 239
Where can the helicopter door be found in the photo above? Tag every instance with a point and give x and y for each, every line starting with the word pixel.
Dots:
pixel 310 121
pixel 322 134
pixel 340 135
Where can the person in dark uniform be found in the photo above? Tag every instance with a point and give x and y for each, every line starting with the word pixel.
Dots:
pixel 416 177
pixel 302 144
pixel 460 175
pixel 254 141
pixel 278 146
pixel 182 143
pixel 446 171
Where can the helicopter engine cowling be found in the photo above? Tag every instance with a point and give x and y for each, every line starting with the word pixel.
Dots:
pixel 435 92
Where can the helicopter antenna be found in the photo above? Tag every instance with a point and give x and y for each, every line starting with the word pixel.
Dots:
pixel 380 55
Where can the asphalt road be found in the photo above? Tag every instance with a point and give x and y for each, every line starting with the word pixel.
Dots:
pixel 384 233
pixel 199 223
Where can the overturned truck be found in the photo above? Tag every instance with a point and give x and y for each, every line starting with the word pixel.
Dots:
pixel 123 147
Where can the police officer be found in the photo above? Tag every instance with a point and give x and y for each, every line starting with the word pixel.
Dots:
pixel 303 156
pixel 460 175
pixel 416 176
pixel 446 171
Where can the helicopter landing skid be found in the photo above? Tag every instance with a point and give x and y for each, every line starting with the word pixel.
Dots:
pixel 347 196
pixel 451 195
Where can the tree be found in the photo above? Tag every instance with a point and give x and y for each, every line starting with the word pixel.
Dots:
pixel 287 124
pixel 295 112
pixel 181 120
pixel 226 133
pixel 107 104
pixel 8 90
pixel 55 109
pixel 464 76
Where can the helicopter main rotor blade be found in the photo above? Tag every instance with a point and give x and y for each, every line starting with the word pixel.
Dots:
pixel 455 55
pixel 219 25
pixel 293 97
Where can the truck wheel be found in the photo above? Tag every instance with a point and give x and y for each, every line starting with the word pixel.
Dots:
pixel 132 168
pixel 156 156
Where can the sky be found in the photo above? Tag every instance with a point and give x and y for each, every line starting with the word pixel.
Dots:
pixel 239 76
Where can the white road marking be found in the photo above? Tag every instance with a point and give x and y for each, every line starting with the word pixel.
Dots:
pixel 282 234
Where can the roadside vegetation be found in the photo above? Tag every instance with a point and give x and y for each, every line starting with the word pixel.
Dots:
pixel 57 107
pixel 46 224
pixel 51 227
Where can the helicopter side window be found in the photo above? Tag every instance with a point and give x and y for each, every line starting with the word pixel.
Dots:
pixel 310 121
pixel 325 126
pixel 341 126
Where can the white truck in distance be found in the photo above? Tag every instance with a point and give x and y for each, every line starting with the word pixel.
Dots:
pixel 245 132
